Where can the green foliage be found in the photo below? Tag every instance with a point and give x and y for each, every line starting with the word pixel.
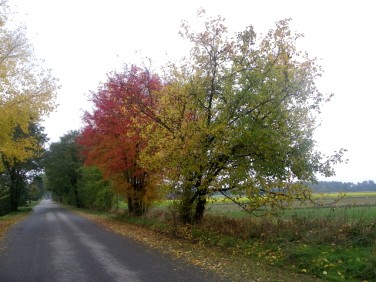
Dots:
pixel 35 189
pixel 5 206
pixel 63 169
pixel 238 117
pixel 95 192
pixel 72 182
pixel 16 174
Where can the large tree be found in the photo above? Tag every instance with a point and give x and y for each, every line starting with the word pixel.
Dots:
pixel 27 92
pixel 238 117
pixel 112 137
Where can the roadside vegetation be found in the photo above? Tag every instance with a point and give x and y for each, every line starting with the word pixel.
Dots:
pixel 336 243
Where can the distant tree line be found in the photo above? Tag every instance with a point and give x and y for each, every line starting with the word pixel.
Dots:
pixel 337 186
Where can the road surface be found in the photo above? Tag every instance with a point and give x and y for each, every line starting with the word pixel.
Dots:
pixel 54 244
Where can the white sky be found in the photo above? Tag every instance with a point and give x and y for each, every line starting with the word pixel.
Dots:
pixel 82 40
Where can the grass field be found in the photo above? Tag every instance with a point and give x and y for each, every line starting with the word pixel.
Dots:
pixel 353 204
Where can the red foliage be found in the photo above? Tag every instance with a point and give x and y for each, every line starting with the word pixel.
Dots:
pixel 111 138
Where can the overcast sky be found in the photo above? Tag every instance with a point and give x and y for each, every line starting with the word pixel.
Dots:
pixel 82 40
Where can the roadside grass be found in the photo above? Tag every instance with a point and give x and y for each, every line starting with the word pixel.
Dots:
pixel 8 220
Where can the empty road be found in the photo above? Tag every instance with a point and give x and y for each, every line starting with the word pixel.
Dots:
pixel 55 245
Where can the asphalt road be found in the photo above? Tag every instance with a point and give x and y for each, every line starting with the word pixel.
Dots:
pixel 53 244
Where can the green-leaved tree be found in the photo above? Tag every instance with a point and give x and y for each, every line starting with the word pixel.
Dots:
pixel 237 117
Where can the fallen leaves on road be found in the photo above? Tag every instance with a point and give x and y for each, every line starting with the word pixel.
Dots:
pixel 7 222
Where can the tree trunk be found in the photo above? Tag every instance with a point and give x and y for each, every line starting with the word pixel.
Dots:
pixel 130 205
pixel 78 202
pixel 186 205
pixel 200 208
pixel 138 207
pixel 13 202
pixel 13 192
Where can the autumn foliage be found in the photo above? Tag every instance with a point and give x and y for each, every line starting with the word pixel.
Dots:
pixel 27 96
pixel 237 118
pixel 112 137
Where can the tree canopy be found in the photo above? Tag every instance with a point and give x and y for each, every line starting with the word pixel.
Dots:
pixel 111 139
pixel 63 168
pixel 238 118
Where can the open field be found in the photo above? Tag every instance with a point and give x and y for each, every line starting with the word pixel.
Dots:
pixel 353 204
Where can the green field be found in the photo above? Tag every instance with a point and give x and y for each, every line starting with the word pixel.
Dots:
pixel 353 204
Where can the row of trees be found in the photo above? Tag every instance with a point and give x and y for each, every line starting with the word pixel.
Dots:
pixel 235 117
pixel 72 182
pixel 27 94
pixel 337 186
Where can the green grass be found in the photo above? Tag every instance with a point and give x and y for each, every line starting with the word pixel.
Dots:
pixel 351 213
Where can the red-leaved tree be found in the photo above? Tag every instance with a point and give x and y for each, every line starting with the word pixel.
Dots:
pixel 111 138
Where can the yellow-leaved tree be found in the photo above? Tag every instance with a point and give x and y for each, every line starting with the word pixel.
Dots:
pixel 27 95
pixel 237 117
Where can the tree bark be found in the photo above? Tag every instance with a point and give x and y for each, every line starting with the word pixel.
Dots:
pixel 14 195
pixel 200 208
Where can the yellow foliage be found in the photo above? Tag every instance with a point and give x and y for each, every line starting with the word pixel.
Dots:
pixel 27 93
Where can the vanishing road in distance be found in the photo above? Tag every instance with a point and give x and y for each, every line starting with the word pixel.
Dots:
pixel 54 244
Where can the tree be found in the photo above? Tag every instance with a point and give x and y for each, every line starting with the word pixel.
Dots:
pixel 63 169
pixel 35 189
pixel 27 92
pixel 17 173
pixel 112 137
pixel 238 118
pixel 95 192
